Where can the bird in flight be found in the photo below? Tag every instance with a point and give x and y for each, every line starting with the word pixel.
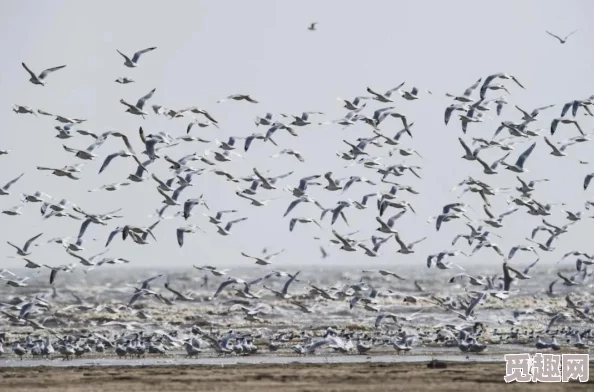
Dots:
pixel 40 80
pixel 312 26
pixel 562 40
pixel 133 62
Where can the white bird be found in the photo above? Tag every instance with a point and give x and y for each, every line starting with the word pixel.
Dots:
pixel 138 108
pixel 263 260
pixel 13 211
pixel 40 80
pixel 465 97
pixel 287 151
pixel 111 187
pixel 559 151
pixel 518 167
pixel 490 78
pixel 227 229
pixel 24 251
pixel 238 97
pixel 17 283
pixel 406 248
pixel 385 97
pixel 133 63
pixel 255 202
pixel 124 80
pixel 21 109
pixel 294 221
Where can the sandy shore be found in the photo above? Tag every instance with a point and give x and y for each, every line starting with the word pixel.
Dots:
pixel 458 377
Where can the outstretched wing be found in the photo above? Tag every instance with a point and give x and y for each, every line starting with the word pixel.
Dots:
pixel 553 35
pixel 48 71
pixel 140 53
pixel 28 70
pixel 142 101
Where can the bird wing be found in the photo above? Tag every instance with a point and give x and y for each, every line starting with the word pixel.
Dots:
pixel 30 241
pixel 161 183
pixel 140 53
pixel 465 146
pixel 553 35
pixel 497 162
pixel 579 128
pixel 112 235
pixel 391 91
pixel 341 238
pixel 486 84
pixel 261 177
pixel 270 256
pixel 416 242
pixel 123 55
pixel 526 113
pixel 484 164
pixel 570 34
pixel 506 213
pixel 548 142
pixel 517 82
pixel 538 110
pixel 126 141
pixel 108 160
pixel 9 183
pixel 179 295
pixel 370 91
pixel 527 269
pixel 288 283
pixel 208 116
pixel 30 72
pixel 587 180
pixel 177 192
pixel 399 240
pixel 96 144
pixel 135 297
pixel 180 236
pixel 470 89
pixel 127 104
pixel 48 71
pixel 248 256
pixel 83 227
pixel 142 101
pixel 230 223
pixel 525 155
pixel 222 286
pixel 393 219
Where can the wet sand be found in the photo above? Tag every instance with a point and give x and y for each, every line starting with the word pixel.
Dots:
pixel 407 377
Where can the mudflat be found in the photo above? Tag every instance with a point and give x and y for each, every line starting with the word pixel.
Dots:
pixel 409 377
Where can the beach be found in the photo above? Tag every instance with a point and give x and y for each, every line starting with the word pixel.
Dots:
pixel 408 377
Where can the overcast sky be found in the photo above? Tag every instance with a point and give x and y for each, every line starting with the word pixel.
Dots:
pixel 207 50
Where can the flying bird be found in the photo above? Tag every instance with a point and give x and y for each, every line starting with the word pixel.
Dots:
pixel 40 80
pixel 238 97
pixel 138 108
pixel 562 40
pixel 133 63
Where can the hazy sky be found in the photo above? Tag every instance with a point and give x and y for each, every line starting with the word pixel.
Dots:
pixel 210 49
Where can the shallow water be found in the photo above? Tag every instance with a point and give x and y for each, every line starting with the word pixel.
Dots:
pixel 377 355
pixel 248 360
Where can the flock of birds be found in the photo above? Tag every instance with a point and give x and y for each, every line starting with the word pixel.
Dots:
pixel 389 329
